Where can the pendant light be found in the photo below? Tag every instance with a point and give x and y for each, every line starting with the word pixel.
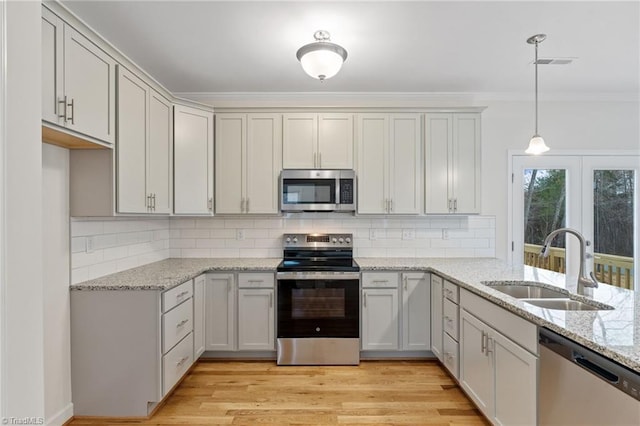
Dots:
pixel 536 144
pixel 321 59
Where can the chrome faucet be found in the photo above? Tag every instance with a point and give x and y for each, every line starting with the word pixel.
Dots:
pixel 583 280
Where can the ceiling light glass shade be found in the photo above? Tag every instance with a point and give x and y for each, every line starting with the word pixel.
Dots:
pixel 322 59
pixel 537 146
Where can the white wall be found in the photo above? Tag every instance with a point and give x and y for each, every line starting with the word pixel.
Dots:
pixel 22 298
pixel 55 249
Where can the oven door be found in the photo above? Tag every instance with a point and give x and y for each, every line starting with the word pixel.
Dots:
pixel 318 306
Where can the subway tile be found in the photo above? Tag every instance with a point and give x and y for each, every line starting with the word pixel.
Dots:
pixel 435 243
pixel 478 222
pixel 268 243
pixel 209 223
pixel 195 252
pixel 474 243
pixel 450 223
pixel 137 249
pixel 174 233
pixel 116 253
pixel 356 223
pixel 79 275
pixel 154 256
pixel 78 244
pixel 182 243
pixel 484 233
pixel 127 238
pixel 105 241
pixel 428 233
pixel 127 263
pixel 82 228
pixel 195 233
pixel 175 252
pixel 238 223
pixel 161 234
pixel 210 243
pixel 275 252
pixel 227 252
pixel 401 252
pixel 223 233
pixel 256 233
pixel 86 259
pixel 254 252
pixel 486 252
pixel 102 269
pixel 229 243
pixel 393 234
pixel 268 223
pixel 459 252
pixel 430 252
pixel 460 233
pixel 182 223
pixel 371 252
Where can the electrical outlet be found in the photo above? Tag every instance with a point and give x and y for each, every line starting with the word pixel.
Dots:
pixel 373 235
pixel 89 245
pixel 239 234
pixel 445 234
pixel 408 234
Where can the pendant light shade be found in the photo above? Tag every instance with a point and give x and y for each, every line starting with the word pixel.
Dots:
pixel 321 59
pixel 536 144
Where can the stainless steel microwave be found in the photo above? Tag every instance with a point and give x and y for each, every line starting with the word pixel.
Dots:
pixel 318 190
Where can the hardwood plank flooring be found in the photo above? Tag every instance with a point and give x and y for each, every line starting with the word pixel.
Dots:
pixel 261 393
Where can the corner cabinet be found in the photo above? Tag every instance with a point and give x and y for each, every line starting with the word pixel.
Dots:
pixel 193 161
pixel 248 161
pixel 317 141
pixel 498 361
pixel 144 150
pixel 78 82
pixel 388 167
pixel 130 348
pixel 220 312
pixel 452 163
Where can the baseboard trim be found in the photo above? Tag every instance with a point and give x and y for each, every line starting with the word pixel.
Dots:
pixel 62 417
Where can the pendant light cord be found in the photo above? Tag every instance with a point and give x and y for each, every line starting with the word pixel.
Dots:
pixel 536 88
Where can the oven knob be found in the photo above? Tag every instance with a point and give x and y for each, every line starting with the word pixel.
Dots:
pixel 341 240
pixel 295 240
pixel 347 240
pixel 335 240
pixel 288 240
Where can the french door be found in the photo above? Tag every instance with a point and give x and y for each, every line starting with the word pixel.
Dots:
pixel 596 195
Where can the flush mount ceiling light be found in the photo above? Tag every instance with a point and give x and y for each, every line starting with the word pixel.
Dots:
pixel 536 144
pixel 321 59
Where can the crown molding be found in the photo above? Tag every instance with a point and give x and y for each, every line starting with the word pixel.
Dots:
pixel 391 99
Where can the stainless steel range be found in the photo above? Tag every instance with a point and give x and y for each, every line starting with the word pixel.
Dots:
pixel 318 317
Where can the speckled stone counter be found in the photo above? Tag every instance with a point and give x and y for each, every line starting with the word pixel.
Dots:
pixel 169 273
pixel 612 333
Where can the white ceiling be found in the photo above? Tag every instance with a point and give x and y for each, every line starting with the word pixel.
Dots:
pixel 419 46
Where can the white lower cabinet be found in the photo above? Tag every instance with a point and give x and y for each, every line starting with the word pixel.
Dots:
pixel 130 348
pixel 396 311
pixel 499 373
pixel 240 312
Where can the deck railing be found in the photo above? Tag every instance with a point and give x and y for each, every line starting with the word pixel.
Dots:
pixel 608 268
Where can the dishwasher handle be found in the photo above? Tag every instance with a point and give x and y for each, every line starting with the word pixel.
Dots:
pixel 596 369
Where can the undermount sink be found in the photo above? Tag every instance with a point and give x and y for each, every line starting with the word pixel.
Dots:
pixel 565 305
pixel 527 291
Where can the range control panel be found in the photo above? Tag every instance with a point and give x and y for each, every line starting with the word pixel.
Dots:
pixel 317 240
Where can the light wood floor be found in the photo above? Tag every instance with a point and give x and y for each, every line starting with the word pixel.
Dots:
pixel 261 393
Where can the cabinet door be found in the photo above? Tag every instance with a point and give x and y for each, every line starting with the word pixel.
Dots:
pixel 476 367
pixel 515 374
pixel 404 164
pixel 52 70
pixel 416 304
pixel 131 154
pixel 159 153
pixel 89 84
pixel 439 137
pixel 299 141
pixel 263 158
pixel 372 145
pixel 380 319
pixel 256 319
pixel 335 141
pixel 193 161
pixel 231 138
pixel 465 167
pixel 436 316
pixel 220 313
pixel 199 340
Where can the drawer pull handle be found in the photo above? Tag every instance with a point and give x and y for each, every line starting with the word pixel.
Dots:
pixel 380 281
pixel 489 340
pixel 183 294
pixel 181 323
pixel 483 346
pixel 182 361
pixel 255 281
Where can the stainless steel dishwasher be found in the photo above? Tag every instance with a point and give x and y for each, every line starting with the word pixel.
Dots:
pixel 580 387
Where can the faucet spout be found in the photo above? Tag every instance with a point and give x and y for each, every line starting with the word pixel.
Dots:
pixel 584 281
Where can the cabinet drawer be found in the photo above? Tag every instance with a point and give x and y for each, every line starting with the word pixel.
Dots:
pixel 176 363
pixel 176 324
pixel 261 280
pixel 176 295
pixel 436 280
pixel 450 291
pixel 450 319
pixel 380 280
pixel 450 355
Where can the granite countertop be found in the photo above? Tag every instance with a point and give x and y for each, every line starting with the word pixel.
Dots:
pixel 612 333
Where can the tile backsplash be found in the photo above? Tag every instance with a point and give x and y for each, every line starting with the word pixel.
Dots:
pixel 123 243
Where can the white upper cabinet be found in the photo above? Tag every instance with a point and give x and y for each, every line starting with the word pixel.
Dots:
pixel 452 163
pixel 78 90
pixel 248 163
pixel 193 161
pixel 317 141
pixel 144 147
pixel 388 169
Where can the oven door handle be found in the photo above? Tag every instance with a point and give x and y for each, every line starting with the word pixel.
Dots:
pixel 317 276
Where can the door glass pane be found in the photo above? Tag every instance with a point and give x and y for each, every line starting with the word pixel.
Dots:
pixel 613 228
pixel 544 210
